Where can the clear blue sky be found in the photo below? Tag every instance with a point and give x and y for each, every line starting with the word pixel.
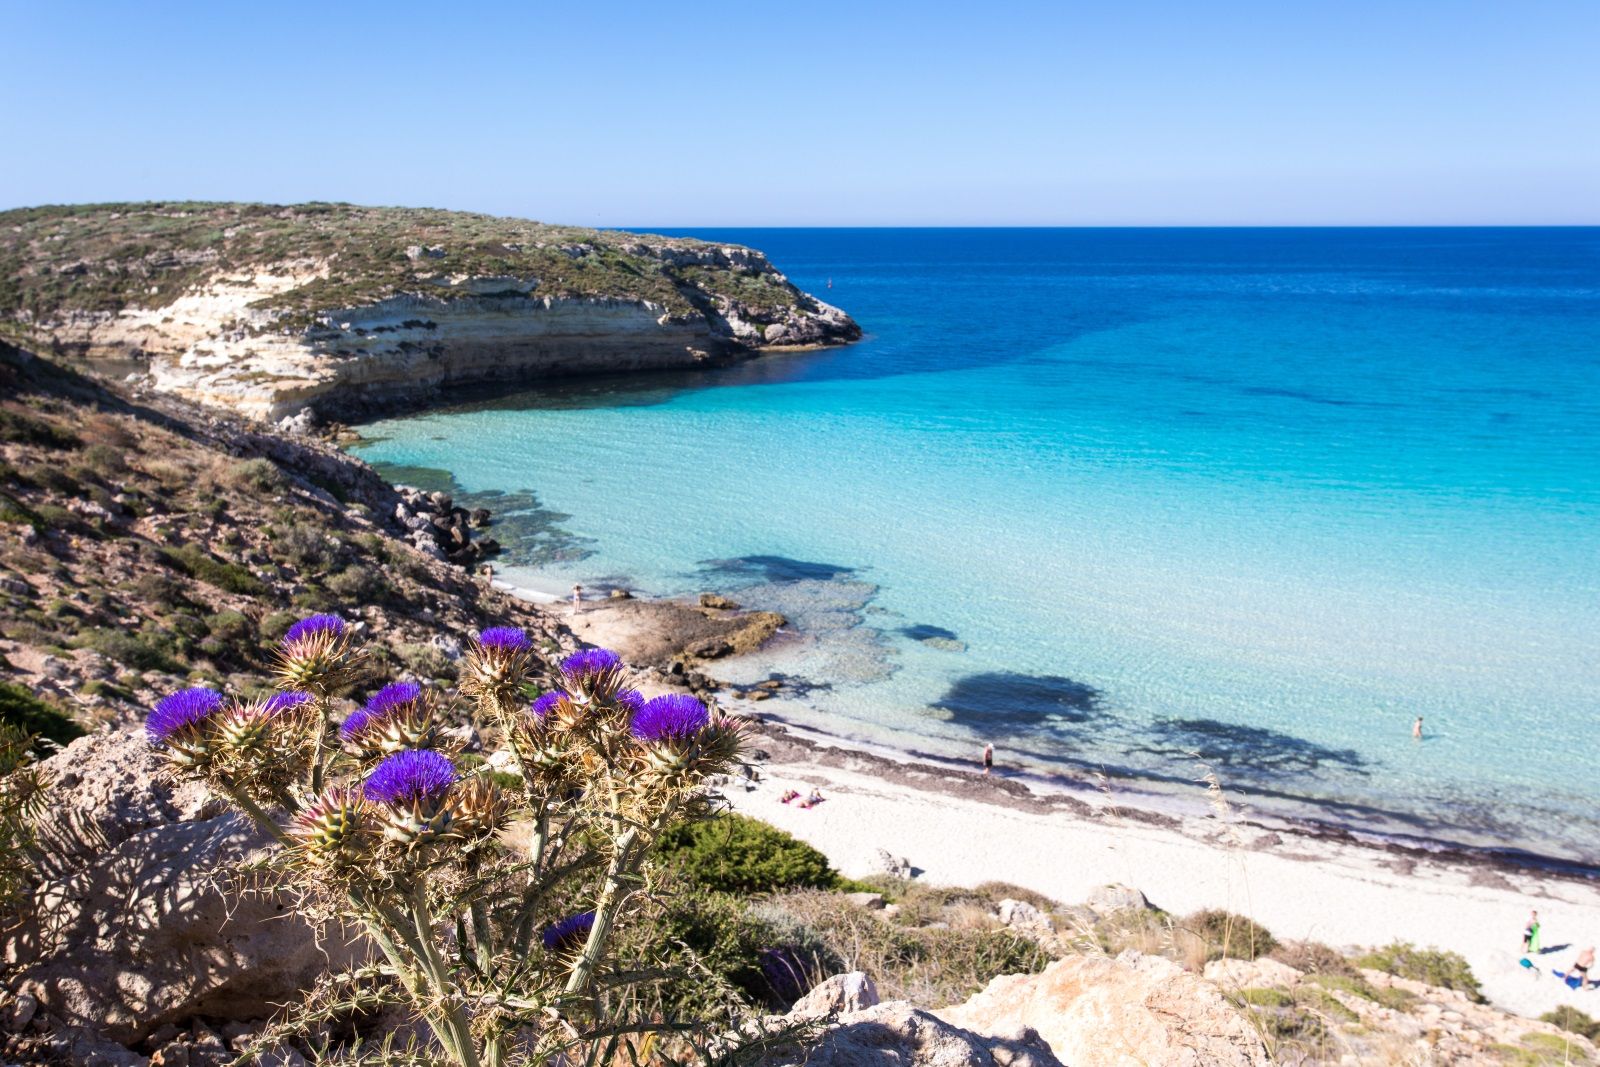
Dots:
pixel 818 113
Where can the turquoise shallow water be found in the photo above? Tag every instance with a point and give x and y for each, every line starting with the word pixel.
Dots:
pixel 1110 498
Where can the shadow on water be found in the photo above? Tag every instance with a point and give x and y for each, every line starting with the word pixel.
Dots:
pixel 1250 752
pixel 924 632
pixel 1003 698
pixel 774 569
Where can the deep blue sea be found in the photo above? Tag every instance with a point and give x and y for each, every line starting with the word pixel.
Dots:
pixel 1132 501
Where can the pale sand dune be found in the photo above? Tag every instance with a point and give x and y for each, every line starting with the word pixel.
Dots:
pixel 1342 894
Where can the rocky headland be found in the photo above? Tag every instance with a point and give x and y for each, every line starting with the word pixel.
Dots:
pixel 267 310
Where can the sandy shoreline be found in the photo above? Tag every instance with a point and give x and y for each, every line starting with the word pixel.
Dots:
pixel 959 828
pixel 1064 839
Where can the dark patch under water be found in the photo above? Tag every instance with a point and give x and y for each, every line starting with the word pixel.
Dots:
pixel 1004 698
pixel 777 569
pixel 924 632
pixel 1248 751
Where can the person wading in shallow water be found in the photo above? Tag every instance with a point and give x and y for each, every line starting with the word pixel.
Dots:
pixel 1416 728
pixel 988 758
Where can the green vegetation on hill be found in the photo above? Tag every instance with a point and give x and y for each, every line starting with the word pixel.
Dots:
pixel 107 257
pixel 26 714
pixel 738 854
pixel 143 545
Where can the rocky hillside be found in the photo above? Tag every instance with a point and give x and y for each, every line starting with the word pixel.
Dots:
pixel 266 309
pixel 144 543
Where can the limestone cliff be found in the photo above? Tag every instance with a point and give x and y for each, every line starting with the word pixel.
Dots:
pixel 267 309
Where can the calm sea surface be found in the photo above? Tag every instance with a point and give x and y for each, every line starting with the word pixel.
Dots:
pixel 1119 499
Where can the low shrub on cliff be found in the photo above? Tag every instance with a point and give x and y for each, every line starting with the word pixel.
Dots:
pixel 1573 1020
pixel 929 965
pixel 26 714
pixel 1222 934
pixel 1432 966
pixel 738 854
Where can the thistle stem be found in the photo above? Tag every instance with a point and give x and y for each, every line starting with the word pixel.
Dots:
pixel 454 1031
pixel 605 913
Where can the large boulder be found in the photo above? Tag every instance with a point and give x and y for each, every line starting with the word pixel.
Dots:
pixel 839 994
pixel 142 918
pixel 897 1035
pixel 1103 1012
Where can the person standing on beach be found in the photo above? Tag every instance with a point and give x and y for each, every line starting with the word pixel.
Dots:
pixel 1530 934
pixel 988 758
pixel 577 597
pixel 1416 728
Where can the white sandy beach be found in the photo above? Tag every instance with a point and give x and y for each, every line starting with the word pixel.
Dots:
pixel 1344 895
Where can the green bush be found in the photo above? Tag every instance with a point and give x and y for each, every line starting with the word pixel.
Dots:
pixel 200 565
pixel 23 711
pixel 1228 935
pixel 136 651
pixel 254 475
pixel 1447 970
pixel 1570 1018
pixel 24 429
pixel 737 854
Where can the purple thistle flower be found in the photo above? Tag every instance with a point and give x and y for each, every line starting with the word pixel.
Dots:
pixel 180 710
pixel 313 626
pixel 671 717
pixel 590 662
pixel 545 704
pixel 568 931
pixel 632 700
pixel 281 702
pixel 504 639
pixel 385 702
pixel 410 777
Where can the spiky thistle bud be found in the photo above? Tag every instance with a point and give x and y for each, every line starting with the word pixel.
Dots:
pixel 318 655
pixel 336 827
pixel 412 790
pixel 480 808
pixel 679 738
pixel 538 747
pixel 593 674
pixel 182 723
pixel 398 717
pixel 568 935
pixel 495 667
pixel 246 729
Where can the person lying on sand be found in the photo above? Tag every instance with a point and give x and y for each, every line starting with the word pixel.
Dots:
pixel 813 800
pixel 788 795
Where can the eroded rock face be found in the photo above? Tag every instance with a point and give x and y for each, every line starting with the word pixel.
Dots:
pixel 140 919
pixel 1101 1012
pixel 897 1035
